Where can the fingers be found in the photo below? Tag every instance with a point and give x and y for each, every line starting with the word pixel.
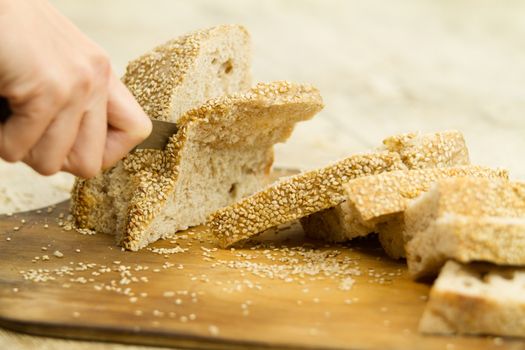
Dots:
pixel 49 153
pixel 127 123
pixel 85 158
pixel 25 127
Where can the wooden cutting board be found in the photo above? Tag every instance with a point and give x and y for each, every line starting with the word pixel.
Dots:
pixel 279 292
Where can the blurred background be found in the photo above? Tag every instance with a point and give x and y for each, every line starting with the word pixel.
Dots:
pixel 383 67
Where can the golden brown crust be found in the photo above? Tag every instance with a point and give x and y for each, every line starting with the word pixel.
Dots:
pixel 433 150
pixel 295 197
pixel 155 172
pixel 389 193
pixel 152 77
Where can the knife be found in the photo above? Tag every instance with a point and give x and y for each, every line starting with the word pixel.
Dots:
pixel 158 139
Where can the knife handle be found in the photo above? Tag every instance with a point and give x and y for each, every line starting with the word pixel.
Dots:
pixel 5 110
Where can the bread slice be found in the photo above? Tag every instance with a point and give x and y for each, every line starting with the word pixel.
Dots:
pixel 476 299
pixel 296 197
pixel 185 72
pixel 378 202
pixel 168 81
pixel 466 219
pixel 222 152
pixel 417 151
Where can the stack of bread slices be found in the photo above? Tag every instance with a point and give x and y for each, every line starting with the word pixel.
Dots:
pixel 418 192
pixel 222 151
pixel 427 204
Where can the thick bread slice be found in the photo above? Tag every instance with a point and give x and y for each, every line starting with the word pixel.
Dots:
pixel 377 202
pixel 466 219
pixel 417 151
pixel 185 72
pixel 225 145
pixel 174 77
pixel 476 299
pixel 296 197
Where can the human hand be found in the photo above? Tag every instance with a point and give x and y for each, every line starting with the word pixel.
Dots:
pixel 69 111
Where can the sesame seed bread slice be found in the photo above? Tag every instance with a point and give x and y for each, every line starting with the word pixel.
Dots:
pixel 476 299
pixel 466 219
pixel 185 72
pixel 417 151
pixel 168 81
pixel 377 202
pixel 295 197
pixel 222 152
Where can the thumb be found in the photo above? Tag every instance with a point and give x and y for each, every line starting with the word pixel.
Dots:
pixel 128 124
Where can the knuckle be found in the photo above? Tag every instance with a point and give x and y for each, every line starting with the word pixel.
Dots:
pixel 58 92
pixel 101 65
pixel 84 77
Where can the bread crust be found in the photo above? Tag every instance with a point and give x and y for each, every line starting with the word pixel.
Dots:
pixel 417 151
pixel 295 197
pixel 466 219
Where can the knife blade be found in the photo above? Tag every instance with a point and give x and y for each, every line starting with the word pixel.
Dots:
pixel 160 135
pixel 158 139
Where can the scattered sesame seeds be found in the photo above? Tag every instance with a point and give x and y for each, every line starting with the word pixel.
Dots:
pixel 213 329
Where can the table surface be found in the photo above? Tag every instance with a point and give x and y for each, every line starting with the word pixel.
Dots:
pixel 382 67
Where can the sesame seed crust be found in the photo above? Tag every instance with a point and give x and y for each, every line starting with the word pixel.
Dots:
pixel 154 173
pixel 466 239
pixel 295 197
pixel 466 219
pixel 440 149
pixel 153 77
pixel 375 196
pixel 417 151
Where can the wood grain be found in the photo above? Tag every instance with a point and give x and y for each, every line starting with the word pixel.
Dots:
pixel 233 308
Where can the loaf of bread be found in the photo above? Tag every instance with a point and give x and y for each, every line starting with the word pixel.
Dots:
pixel 476 299
pixel 466 219
pixel 295 197
pixel 222 152
pixel 417 151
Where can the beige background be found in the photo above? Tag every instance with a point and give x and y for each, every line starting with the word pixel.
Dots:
pixel 383 67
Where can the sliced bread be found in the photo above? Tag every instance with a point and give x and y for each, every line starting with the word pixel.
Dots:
pixel 296 197
pixel 476 299
pixel 185 72
pixel 417 151
pixel 466 219
pixel 377 202
pixel 222 152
